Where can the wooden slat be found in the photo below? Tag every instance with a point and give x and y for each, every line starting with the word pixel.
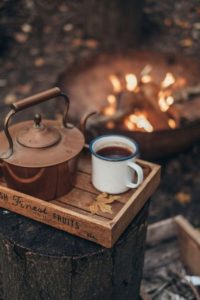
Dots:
pixel 81 199
pixel 161 231
pixel 83 182
pixel 189 239
pixel 81 211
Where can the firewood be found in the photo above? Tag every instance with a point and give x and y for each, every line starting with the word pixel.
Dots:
pixel 186 113
pixel 186 93
pixel 150 91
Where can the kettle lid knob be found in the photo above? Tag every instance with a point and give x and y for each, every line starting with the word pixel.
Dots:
pixel 37 120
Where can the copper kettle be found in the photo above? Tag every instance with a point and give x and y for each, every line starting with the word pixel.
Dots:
pixel 40 157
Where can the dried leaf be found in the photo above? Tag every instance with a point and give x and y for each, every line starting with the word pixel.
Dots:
pixel 91 43
pixel 182 24
pixel 102 202
pixel 94 208
pixel 77 42
pixel 26 28
pixel 183 198
pixel 186 43
pixel 21 37
pixel 39 62
pixel 105 208
pixel 68 27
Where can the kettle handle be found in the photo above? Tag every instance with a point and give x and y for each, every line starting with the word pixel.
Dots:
pixel 28 102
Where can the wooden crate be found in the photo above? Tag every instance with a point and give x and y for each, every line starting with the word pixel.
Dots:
pixel 188 238
pixel 72 213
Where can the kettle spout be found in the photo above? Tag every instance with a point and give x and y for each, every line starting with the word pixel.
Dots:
pixel 84 120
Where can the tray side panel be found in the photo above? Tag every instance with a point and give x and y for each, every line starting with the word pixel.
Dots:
pixel 135 203
pixel 56 216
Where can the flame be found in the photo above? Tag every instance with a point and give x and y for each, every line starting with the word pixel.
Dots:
pixel 146 78
pixel 170 100
pixel 131 82
pixel 172 123
pixel 164 106
pixel 164 101
pixel 115 83
pixel 138 120
pixel 111 99
pixel 168 80
pixel 111 108
pixel 129 124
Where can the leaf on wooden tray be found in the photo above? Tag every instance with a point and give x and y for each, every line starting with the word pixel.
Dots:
pixel 101 203
pixel 183 198
pixel 94 208
pixel 106 208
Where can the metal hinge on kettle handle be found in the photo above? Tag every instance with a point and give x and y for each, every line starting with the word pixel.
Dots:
pixel 31 101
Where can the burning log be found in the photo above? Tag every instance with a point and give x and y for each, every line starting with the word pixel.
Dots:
pixel 151 91
pixel 186 93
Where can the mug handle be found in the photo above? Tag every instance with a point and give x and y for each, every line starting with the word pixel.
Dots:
pixel 139 173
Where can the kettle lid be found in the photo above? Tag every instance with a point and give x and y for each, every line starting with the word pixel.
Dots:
pixel 38 136
pixel 42 145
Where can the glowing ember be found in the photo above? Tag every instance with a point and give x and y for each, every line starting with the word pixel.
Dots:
pixel 146 79
pixel 115 83
pixel 172 123
pixel 170 100
pixel 131 82
pixel 111 108
pixel 164 106
pixel 138 121
pixel 129 124
pixel 111 99
pixel 168 80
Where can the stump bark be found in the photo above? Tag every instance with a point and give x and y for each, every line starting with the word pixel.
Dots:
pixel 39 262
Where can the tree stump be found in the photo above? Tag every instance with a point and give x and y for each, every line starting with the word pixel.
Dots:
pixel 39 262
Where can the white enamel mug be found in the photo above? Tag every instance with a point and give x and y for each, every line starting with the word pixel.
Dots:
pixel 115 175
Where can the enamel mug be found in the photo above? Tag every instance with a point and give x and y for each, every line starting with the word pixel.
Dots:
pixel 115 175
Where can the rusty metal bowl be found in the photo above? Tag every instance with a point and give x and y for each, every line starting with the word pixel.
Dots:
pixel 89 86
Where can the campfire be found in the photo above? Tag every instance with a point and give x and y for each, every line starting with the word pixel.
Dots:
pixel 138 103
pixel 151 97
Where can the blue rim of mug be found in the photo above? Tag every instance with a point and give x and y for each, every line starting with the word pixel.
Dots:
pixel 113 159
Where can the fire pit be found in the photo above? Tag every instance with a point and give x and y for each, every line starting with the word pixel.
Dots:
pixel 151 97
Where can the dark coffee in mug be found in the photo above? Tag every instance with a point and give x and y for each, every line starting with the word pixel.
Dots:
pixel 114 152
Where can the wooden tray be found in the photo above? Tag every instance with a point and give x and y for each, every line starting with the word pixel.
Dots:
pixel 72 213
